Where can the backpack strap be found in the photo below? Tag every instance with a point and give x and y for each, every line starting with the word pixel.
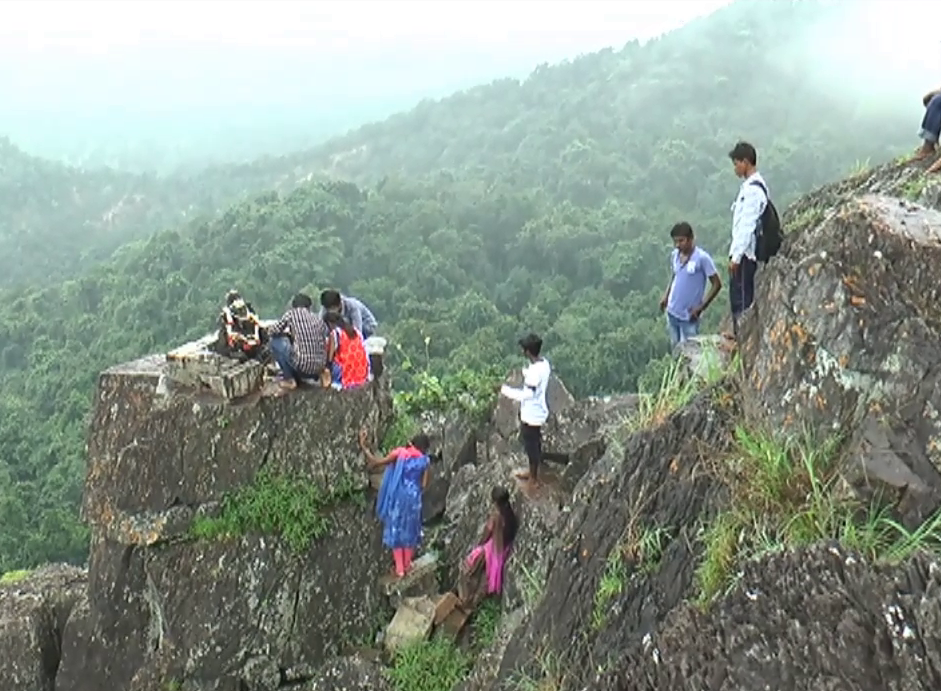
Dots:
pixel 760 184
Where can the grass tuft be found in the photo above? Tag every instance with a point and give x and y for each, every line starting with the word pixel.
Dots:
pixel 787 493
pixel 16 576
pixel 293 508
pixel 676 387
pixel 433 665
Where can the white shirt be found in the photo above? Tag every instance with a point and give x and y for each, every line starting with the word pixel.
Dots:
pixel 746 212
pixel 532 397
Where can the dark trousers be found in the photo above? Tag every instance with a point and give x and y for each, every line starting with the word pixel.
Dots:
pixel 742 289
pixel 931 123
pixel 531 436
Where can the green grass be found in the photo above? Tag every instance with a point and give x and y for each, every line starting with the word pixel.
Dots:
pixel 609 587
pixel 786 493
pixel 550 673
pixel 433 665
pixel 913 188
pixel 810 216
pixel 293 508
pixel 859 168
pixel 440 664
pixel 676 388
pixel 647 549
pixel 11 577
pixel 486 623
pixel 641 547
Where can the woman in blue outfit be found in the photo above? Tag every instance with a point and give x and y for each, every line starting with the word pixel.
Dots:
pixel 400 496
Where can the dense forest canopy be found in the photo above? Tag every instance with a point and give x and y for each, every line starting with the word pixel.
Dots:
pixel 543 205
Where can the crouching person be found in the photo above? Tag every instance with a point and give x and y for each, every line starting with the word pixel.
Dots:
pixel 346 353
pixel 241 335
pixel 298 343
pixel 482 572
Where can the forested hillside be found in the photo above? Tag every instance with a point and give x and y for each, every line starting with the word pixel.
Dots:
pixel 653 119
pixel 57 221
pixel 544 205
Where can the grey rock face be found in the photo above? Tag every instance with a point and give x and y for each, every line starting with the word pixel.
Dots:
pixel 33 614
pixel 164 608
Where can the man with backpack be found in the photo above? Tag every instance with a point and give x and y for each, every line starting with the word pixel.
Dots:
pixel 756 230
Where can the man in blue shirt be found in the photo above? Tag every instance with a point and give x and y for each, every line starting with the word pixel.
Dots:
pixel 351 309
pixel 692 269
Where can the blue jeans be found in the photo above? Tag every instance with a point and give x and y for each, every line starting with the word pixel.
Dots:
pixel 367 333
pixel 280 347
pixel 681 329
pixel 931 123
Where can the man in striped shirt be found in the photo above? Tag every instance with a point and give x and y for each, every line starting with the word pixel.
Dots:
pixel 298 343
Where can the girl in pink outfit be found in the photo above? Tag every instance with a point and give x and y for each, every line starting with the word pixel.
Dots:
pixel 482 572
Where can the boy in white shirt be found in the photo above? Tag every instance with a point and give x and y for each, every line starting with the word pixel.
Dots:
pixel 747 209
pixel 534 410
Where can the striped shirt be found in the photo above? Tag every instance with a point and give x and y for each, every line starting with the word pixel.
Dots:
pixel 309 339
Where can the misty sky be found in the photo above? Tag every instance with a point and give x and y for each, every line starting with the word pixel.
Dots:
pixel 110 69
pixel 224 50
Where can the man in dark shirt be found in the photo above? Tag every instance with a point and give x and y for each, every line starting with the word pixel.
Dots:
pixel 298 343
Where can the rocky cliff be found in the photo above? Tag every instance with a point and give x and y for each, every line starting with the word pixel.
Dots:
pixel 768 520
pixel 777 527
pixel 232 546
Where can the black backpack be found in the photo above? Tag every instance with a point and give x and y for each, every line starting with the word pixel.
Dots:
pixel 768 231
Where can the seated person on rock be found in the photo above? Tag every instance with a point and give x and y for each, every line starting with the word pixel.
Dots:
pixel 346 353
pixel 399 504
pixel 930 129
pixel 298 343
pixel 351 309
pixel 482 572
pixel 241 336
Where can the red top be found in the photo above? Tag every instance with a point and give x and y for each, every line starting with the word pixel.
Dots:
pixel 352 358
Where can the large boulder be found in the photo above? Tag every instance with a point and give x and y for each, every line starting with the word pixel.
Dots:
pixel 844 340
pixel 235 607
pixel 34 609
pixel 818 618
pixel 646 484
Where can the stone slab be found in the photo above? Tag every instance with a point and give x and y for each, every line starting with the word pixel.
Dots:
pixel 412 623
pixel 445 605
pixel 421 580
pixel 194 365
pixel 453 623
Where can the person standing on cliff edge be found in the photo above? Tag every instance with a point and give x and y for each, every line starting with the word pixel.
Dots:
pixel 534 410
pixel 685 298
pixel 747 210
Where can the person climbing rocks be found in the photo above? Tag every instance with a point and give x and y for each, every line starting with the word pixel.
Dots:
pixel 346 353
pixel 482 571
pixel 298 343
pixel 753 196
pixel 399 505
pixel 241 335
pixel 685 298
pixel 353 310
pixel 534 410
